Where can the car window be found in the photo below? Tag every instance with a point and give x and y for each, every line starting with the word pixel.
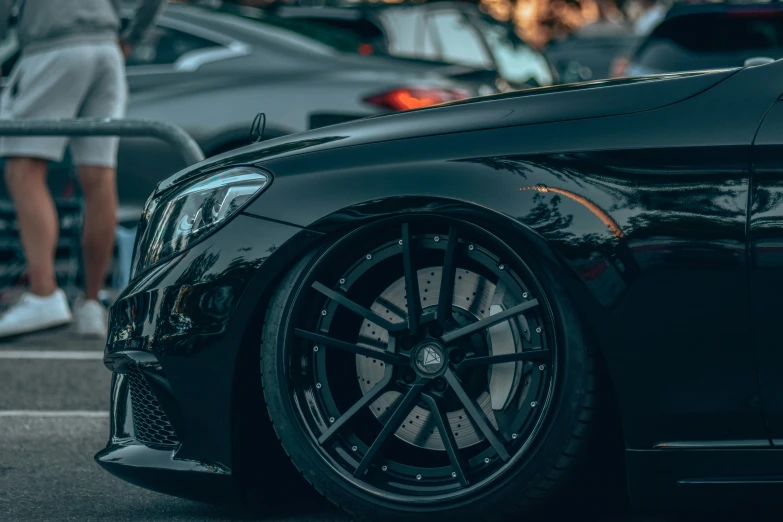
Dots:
pixel 516 61
pixel 712 40
pixel 456 39
pixel 164 46
pixel 404 30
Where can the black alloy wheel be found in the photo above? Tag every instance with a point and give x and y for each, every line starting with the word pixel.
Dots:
pixel 413 368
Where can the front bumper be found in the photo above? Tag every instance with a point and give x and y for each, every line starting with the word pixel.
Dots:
pixel 176 335
pixel 150 465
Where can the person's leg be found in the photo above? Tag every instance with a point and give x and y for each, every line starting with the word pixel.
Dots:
pixel 99 187
pixel 44 305
pixel 44 85
pixel 37 220
pixel 97 160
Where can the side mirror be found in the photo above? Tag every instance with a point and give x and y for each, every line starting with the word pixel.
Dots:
pixel 758 60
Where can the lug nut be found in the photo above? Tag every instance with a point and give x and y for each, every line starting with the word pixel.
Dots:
pixel 440 385
pixel 409 376
pixel 456 356
pixel 436 330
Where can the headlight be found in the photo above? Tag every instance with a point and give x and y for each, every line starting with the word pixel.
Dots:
pixel 175 220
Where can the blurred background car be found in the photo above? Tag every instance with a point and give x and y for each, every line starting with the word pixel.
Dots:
pixel 436 32
pixel 210 70
pixel 709 36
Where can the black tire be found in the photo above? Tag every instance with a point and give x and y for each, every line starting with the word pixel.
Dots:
pixel 542 466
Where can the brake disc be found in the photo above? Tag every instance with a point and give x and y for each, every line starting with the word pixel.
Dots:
pixel 475 298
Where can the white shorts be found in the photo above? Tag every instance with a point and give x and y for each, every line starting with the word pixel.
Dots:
pixel 84 80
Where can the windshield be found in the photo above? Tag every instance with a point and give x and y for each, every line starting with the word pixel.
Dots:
pixel 516 61
pixel 713 40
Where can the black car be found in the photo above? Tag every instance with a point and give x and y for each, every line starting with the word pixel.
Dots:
pixel 437 297
pixel 436 32
pixel 710 36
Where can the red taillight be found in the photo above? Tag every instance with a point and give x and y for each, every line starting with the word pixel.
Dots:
pixel 365 49
pixel 414 98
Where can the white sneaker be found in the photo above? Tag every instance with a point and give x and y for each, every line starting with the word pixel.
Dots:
pixel 91 319
pixel 33 313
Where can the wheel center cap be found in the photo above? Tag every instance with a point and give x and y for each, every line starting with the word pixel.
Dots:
pixel 429 358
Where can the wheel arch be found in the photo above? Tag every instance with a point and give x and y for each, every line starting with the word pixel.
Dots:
pixel 531 246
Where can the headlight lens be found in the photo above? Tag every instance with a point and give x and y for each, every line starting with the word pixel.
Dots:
pixel 175 220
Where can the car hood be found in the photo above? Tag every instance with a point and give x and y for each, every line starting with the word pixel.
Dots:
pixel 542 105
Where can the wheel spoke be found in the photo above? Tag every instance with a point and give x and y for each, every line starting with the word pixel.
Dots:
pixel 476 415
pixel 411 282
pixel 444 428
pixel 357 309
pixel 535 354
pixel 366 399
pixel 449 274
pixel 405 406
pixel 386 357
pixel 489 321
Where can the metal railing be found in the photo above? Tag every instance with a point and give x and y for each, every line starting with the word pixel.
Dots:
pixel 172 134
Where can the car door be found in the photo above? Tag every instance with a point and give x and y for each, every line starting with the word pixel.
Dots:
pixel 766 240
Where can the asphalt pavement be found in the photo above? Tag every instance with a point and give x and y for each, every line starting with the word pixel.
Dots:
pixel 54 398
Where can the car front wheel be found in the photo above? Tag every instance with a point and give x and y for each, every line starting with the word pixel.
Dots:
pixel 422 369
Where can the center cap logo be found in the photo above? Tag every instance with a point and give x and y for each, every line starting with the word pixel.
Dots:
pixel 429 359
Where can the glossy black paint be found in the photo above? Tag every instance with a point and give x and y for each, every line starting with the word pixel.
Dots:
pixel 635 194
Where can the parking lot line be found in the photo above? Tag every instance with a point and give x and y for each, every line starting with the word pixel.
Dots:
pixel 51 354
pixel 51 413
